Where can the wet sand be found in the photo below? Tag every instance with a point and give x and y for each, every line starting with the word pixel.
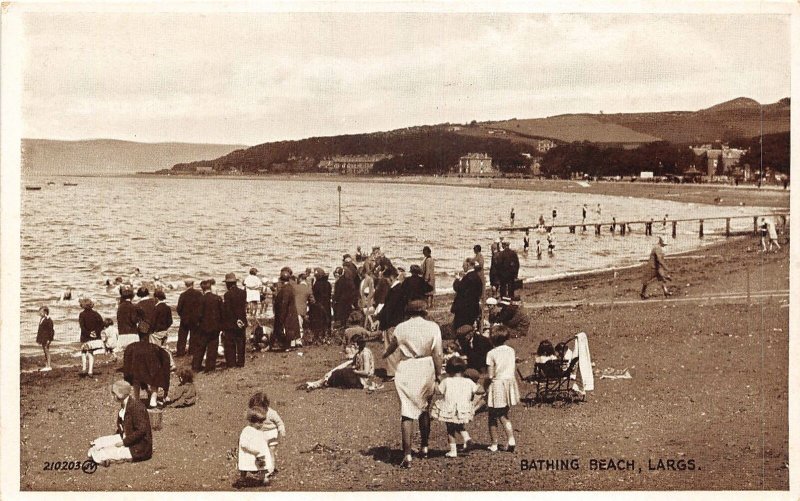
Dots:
pixel 710 383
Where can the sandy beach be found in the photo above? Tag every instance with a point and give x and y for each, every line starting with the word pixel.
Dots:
pixel 709 383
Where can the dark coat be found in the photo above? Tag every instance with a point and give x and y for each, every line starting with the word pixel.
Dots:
pixel 210 313
pixel 351 271
pixel 319 313
pixel 127 317
pixel 394 308
pixel 91 324
pixel 234 308
pixel 190 306
pixel 475 351
pixel 45 333
pixel 416 287
pixel 287 323
pixel 345 295
pixel 507 264
pixel 381 289
pixel 142 363
pixel 147 312
pixel 466 303
pixel 162 318
pixel 135 430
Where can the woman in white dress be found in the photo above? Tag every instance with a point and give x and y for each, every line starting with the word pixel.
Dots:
pixel 419 343
pixel 503 390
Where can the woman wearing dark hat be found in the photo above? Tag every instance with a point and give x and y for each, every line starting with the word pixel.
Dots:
pixel 287 324
pixel 345 295
pixel 91 324
pixel 390 313
pixel 319 312
pixel 419 342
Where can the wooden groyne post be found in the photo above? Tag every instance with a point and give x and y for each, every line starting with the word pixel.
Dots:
pixel 701 228
pixel 727 226
pixel 674 229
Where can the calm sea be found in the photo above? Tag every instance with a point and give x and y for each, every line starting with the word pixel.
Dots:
pixel 81 235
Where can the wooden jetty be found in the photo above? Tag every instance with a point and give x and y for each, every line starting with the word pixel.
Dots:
pixel 623 226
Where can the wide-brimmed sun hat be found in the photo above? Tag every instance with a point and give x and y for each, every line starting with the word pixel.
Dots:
pixel 230 278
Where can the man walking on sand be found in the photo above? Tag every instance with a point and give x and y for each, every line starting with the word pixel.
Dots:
pixel 656 269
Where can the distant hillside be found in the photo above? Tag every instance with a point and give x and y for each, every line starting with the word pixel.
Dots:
pixel 738 118
pixel 436 148
pixel 572 128
pixel 109 156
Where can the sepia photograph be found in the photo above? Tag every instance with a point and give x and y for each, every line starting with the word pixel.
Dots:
pixel 366 247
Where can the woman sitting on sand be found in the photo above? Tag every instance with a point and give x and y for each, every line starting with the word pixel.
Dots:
pixel 355 373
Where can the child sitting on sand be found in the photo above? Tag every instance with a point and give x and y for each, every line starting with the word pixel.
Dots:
pixel 185 394
pixel 455 409
pixel 259 340
pixel 273 426
pixel 255 460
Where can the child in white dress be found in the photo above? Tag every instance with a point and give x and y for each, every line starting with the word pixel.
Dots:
pixel 503 389
pixel 255 460
pixel 455 408
pixel 272 427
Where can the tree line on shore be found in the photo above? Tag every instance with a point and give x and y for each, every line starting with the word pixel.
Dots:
pixel 436 150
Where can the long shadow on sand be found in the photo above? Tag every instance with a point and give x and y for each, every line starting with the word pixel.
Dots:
pixel 384 454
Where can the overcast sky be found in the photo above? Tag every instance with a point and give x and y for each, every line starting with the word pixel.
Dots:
pixel 252 78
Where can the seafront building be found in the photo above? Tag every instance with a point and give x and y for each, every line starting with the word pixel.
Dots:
pixel 475 164
pixel 358 165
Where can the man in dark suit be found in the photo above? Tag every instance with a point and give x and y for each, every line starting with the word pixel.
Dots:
pixel 208 329
pixel 466 306
pixel 127 315
pixel 234 321
pixel 143 366
pixel 134 438
pixel 507 263
pixel 188 308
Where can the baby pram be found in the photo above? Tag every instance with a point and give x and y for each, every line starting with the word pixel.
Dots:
pixel 553 379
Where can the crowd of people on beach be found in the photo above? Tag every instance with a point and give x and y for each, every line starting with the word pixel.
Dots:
pixel 446 372
pixel 370 299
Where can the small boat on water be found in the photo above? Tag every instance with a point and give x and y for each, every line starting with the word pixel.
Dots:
pixel 51 183
pixel 70 184
pixel 33 188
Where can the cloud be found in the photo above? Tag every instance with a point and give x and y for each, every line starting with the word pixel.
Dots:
pixel 257 77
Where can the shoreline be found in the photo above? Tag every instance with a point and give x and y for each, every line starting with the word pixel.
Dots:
pixel 29 361
pixel 712 194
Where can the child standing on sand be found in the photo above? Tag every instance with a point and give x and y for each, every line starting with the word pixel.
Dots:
pixel 273 426
pixel 503 390
pixel 255 460
pixel 456 408
pixel 45 335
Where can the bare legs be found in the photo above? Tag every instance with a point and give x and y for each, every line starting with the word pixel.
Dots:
pixel 500 415
pixel 407 431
